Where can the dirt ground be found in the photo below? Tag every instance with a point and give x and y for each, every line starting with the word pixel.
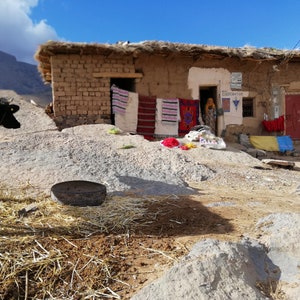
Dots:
pixel 42 256
pixel 121 262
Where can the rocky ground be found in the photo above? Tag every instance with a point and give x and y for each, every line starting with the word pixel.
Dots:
pixel 221 214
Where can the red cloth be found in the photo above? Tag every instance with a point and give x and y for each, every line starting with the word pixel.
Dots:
pixel 274 125
pixel 146 116
pixel 170 142
pixel 189 115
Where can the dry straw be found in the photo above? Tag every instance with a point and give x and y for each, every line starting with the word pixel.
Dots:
pixel 48 251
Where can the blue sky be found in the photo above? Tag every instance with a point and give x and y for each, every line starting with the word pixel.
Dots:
pixel 24 24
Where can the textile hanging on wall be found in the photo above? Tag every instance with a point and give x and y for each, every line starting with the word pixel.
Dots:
pixel 146 116
pixel 119 100
pixel 128 121
pixel 189 115
pixel 170 109
pixel 168 128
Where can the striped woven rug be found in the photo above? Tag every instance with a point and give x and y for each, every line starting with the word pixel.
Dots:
pixel 146 116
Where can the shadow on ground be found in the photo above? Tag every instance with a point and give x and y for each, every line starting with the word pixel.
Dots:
pixel 180 216
pixel 163 210
pixel 139 187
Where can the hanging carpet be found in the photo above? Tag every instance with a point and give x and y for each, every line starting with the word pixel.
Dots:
pixel 119 100
pixel 189 115
pixel 146 116
pixel 169 111
pixel 166 122
pixel 128 121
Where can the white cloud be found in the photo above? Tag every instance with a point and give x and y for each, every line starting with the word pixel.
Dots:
pixel 19 35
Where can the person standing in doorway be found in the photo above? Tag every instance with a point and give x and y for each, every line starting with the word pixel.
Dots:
pixel 210 114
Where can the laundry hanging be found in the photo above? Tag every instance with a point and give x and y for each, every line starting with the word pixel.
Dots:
pixel 189 115
pixel 274 125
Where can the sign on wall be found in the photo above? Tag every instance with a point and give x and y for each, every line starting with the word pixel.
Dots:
pixel 232 103
pixel 226 104
pixel 236 80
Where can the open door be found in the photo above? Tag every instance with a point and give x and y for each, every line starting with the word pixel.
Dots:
pixel 210 119
pixel 292 116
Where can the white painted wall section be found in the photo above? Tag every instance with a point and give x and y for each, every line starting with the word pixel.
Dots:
pixel 220 78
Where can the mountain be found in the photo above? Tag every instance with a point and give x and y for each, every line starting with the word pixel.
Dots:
pixel 24 79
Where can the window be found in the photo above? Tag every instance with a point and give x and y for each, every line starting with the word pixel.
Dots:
pixel 248 107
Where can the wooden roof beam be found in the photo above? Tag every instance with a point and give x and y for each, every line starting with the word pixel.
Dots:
pixel 117 75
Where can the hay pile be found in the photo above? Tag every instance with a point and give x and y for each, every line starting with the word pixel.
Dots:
pixel 61 252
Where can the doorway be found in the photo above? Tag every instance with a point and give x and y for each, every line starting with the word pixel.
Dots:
pixel 127 84
pixel 206 92
pixel 292 116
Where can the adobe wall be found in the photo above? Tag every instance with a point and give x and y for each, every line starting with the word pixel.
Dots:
pixel 164 77
pixel 169 77
pixel 79 97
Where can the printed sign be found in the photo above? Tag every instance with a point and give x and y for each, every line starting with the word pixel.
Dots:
pixel 236 80
pixel 226 104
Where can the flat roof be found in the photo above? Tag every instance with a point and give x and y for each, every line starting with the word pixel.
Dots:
pixel 51 48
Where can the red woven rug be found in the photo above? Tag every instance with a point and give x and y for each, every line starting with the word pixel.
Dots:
pixel 189 115
pixel 146 116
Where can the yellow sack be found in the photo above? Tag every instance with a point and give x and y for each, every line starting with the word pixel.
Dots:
pixel 267 143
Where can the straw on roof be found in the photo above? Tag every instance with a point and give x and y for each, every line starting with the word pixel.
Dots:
pixel 51 48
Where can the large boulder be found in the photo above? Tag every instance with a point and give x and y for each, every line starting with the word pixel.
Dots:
pixel 267 268
pixel 214 270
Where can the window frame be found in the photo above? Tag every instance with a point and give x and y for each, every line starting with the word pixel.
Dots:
pixel 250 107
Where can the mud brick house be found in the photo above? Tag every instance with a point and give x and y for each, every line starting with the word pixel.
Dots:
pixel 249 85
